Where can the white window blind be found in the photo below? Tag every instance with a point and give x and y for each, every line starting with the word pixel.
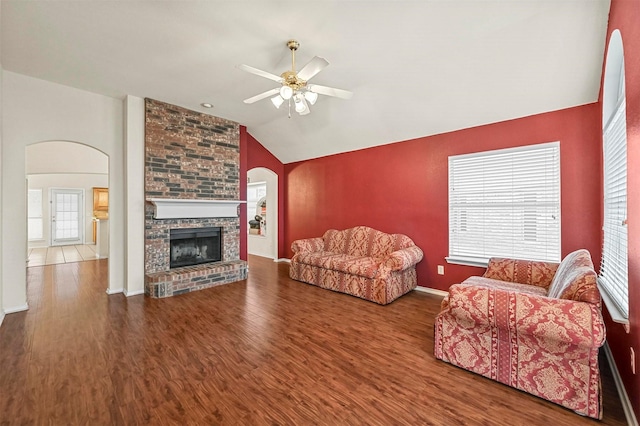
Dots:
pixel 505 203
pixel 614 276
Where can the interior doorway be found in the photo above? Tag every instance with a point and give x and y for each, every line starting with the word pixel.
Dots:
pixel 61 226
pixel 262 212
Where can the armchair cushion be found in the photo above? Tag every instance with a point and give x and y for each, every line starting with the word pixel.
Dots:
pixel 521 271
pixel 575 279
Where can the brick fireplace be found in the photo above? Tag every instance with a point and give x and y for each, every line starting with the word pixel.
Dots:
pixel 192 164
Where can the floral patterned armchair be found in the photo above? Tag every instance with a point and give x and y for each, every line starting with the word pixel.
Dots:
pixel 535 326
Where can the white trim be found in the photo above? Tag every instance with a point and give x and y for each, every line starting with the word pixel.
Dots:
pixel 1 317
pixel 616 314
pixel 622 392
pixel 171 208
pixel 115 291
pixel 133 293
pixel 467 261
pixel 433 291
pixel 282 259
pixel 16 309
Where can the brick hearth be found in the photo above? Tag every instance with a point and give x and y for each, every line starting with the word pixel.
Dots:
pixel 189 155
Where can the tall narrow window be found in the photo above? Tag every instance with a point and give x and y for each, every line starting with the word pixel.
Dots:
pixel 505 203
pixel 614 275
pixel 34 214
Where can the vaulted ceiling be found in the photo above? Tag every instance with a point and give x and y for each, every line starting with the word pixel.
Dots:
pixel 416 68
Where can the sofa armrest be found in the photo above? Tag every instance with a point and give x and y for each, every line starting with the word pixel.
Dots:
pixel 307 244
pixel 555 323
pixel 402 259
pixel 521 271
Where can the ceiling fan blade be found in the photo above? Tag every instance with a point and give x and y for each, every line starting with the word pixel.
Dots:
pixel 261 96
pixel 330 91
pixel 313 67
pixel 261 73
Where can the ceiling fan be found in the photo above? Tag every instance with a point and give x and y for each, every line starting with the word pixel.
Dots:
pixel 294 85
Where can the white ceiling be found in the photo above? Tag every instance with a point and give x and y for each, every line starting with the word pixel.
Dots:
pixel 416 68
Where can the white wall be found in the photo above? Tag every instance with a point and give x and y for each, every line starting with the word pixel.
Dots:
pixel 36 111
pixel 66 180
pixel 265 246
pixel 65 157
pixel 1 235
pixel 134 226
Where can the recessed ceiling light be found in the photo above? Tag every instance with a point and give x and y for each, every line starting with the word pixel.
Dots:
pixel 206 105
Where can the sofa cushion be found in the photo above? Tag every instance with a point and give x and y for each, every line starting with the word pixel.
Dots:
pixel 355 265
pixel 575 279
pixel 359 241
pixel 362 241
pixel 336 241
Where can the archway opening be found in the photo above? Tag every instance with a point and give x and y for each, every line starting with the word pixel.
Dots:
pixel 67 205
pixel 262 212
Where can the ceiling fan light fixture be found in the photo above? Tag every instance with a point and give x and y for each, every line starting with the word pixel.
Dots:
pixel 311 97
pixel 277 101
pixel 300 104
pixel 286 92
pixel 306 109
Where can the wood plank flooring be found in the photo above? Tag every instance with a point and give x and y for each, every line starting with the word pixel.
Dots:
pixel 263 351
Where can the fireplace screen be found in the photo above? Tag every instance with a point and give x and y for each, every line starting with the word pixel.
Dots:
pixel 194 246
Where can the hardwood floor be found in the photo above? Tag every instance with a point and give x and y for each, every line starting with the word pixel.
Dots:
pixel 267 350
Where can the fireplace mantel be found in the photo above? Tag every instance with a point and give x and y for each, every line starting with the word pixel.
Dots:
pixel 171 208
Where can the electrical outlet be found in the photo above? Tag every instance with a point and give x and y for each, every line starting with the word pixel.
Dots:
pixel 440 270
pixel 633 361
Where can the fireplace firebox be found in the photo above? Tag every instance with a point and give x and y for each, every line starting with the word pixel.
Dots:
pixel 193 246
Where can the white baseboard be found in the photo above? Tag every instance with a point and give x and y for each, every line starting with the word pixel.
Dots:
pixel 115 291
pixel 1 317
pixel 622 392
pixel 16 309
pixel 434 291
pixel 133 293
pixel 282 259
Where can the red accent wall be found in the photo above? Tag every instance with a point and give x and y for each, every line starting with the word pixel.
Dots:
pixel 403 187
pixel 625 16
pixel 258 156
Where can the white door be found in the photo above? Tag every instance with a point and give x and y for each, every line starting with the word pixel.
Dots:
pixel 66 216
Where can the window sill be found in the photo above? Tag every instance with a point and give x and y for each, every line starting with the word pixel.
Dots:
pixel 614 311
pixel 467 261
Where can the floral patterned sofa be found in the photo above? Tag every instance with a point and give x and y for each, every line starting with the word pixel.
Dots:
pixel 535 326
pixel 359 261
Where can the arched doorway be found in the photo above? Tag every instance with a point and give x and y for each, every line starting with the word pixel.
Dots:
pixel 262 212
pixel 66 221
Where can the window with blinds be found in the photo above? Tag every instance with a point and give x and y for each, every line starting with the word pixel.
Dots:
pixel 505 203
pixel 614 276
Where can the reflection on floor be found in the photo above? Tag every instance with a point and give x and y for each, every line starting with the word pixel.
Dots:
pixel 61 254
